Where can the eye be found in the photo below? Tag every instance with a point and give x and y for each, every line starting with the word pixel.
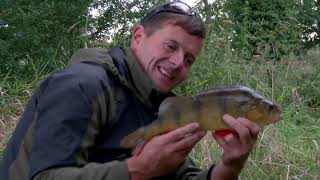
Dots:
pixel 170 47
pixel 189 60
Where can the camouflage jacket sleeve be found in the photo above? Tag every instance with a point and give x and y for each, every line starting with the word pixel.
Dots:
pixel 111 170
pixel 69 116
pixel 188 171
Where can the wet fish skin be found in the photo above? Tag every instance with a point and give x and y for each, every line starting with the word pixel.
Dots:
pixel 207 108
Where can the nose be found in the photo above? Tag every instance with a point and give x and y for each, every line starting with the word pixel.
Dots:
pixel 177 59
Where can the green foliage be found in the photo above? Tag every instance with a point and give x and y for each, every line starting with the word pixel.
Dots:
pixel 39 36
pixel 305 79
pixel 39 31
pixel 309 17
pixel 272 29
pixel 283 150
pixel 264 27
pixel 116 18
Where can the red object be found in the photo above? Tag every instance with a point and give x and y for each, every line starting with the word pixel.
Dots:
pixel 222 133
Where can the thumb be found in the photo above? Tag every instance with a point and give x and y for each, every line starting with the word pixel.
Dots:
pixel 138 149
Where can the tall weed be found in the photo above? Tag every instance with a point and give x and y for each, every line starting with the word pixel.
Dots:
pixel 288 149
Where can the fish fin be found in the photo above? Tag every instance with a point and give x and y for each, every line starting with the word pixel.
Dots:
pixel 252 115
pixel 133 139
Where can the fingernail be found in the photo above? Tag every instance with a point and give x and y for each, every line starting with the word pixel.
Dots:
pixel 226 116
pixel 242 119
pixel 228 137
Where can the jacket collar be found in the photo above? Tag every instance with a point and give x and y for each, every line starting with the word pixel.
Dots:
pixel 140 81
pixel 124 66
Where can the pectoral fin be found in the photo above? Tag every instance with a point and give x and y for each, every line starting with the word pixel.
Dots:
pixel 253 115
pixel 133 139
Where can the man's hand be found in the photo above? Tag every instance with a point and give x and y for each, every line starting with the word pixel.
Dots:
pixel 162 154
pixel 236 148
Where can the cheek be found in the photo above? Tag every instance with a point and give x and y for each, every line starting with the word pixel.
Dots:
pixel 183 75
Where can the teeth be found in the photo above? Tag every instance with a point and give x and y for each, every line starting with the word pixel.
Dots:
pixel 164 72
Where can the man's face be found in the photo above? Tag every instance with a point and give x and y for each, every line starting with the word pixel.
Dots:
pixel 166 55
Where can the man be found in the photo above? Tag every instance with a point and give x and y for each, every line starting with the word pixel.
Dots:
pixel 72 125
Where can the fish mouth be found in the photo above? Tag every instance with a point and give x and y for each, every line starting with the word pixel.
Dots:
pixel 277 116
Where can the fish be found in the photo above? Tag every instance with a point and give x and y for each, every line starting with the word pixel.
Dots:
pixel 207 108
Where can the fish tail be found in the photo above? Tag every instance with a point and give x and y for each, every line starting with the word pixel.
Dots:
pixel 133 138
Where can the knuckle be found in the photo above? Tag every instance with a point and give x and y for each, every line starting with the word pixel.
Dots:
pixel 188 145
pixel 256 130
pixel 193 141
pixel 244 130
pixel 178 133
pixel 231 122
pixel 245 121
pixel 245 134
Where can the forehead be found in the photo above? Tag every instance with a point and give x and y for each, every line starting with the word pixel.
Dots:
pixel 171 32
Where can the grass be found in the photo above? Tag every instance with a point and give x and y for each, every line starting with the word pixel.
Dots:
pixel 14 94
pixel 283 151
pixel 289 149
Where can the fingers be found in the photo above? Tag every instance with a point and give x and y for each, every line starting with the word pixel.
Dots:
pixel 138 149
pixel 226 142
pixel 220 141
pixel 236 148
pixel 180 133
pixel 172 141
pixel 188 142
pixel 243 132
pixel 246 129
pixel 253 127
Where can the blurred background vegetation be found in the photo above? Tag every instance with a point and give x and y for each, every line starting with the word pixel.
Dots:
pixel 271 46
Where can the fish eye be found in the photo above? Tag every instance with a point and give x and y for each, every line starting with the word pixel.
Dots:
pixel 270 106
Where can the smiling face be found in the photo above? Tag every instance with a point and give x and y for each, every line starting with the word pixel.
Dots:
pixel 166 55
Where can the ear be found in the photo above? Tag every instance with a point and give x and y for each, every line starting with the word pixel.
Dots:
pixel 138 34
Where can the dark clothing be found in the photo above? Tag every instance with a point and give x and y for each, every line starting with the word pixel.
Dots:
pixel 72 125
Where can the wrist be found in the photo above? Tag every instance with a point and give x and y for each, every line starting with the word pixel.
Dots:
pixel 136 170
pixel 226 171
pixel 236 167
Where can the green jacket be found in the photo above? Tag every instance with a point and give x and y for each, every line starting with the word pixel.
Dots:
pixel 72 125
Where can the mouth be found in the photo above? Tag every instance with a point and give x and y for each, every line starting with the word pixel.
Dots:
pixel 277 116
pixel 165 73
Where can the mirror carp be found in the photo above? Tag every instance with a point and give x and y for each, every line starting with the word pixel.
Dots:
pixel 207 109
